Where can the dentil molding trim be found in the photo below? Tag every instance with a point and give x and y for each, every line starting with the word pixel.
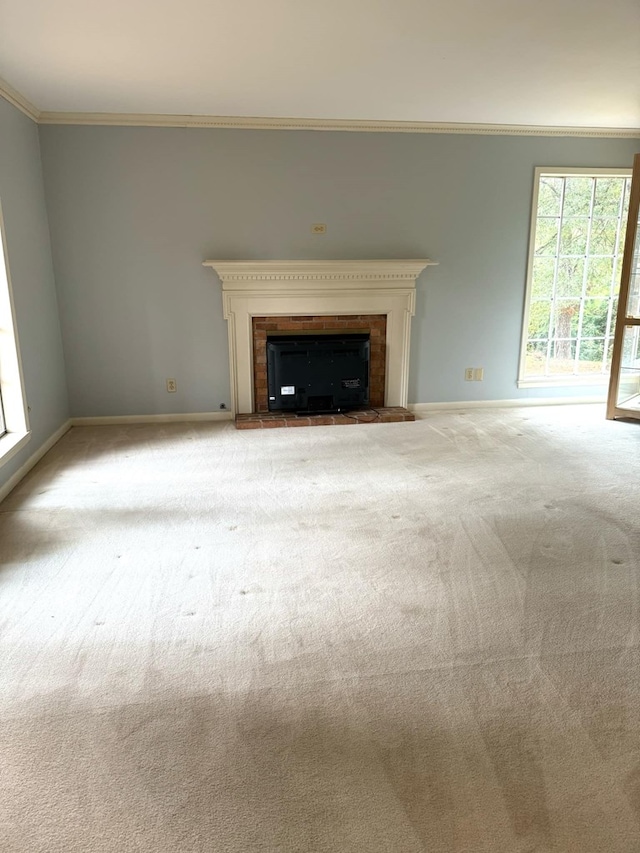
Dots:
pixel 244 274
pixel 315 288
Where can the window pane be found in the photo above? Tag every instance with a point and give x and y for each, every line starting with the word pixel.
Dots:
pixel 609 354
pixel 543 269
pixel 594 318
pixel 573 237
pixel 570 277
pixel 630 369
pixel 563 353
pixel 603 236
pixel 591 353
pixel 633 304
pixel 631 348
pixel 539 319
pixel 599 276
pixel 577 196
pixel 565 318
pixel 536 358
pixel 618 272
pixel 625 204
pixel 547 236
pixel 550 196
pixel 613 314
pixel 608 195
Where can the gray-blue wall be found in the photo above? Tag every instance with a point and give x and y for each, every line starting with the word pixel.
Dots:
pixel 29 256
pixel 135 211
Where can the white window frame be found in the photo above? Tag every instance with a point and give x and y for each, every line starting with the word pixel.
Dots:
pixel 555 381
pixel 14 399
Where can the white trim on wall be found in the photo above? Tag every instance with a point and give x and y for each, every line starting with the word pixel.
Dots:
pixel 187 417
pixel 352 125
pixel 278 123
pixel 421 408
pixel 18 100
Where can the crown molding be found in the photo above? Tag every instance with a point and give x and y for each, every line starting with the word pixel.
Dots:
pixel 274 123
pixel 14 97
pixel 259 123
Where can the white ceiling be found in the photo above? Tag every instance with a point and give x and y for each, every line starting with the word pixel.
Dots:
pixel 549 62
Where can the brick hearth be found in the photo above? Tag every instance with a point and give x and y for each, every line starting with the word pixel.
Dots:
pixel 271 420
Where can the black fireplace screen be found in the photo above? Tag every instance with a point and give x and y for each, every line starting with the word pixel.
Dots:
pixel 318 373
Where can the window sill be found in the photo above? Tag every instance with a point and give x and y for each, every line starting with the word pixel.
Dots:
pixel 565 382
pixel 11 443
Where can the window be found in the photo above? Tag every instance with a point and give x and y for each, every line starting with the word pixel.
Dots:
pixel 575 259
pixel 14 426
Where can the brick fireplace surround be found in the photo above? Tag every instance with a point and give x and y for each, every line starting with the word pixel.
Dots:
pixel 374 324
pixel 376 296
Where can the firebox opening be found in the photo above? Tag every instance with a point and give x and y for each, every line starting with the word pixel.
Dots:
pixel 319 373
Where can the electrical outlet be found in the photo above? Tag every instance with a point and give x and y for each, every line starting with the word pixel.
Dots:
pixel 468 374
pixel 319 228
pixel 171 386
pixel 478 374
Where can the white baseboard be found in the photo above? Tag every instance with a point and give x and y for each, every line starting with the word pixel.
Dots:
pixel 188 417
pixel 23 470
pixel 418 408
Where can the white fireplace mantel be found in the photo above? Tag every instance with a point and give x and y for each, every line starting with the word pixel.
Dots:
pixel 282 288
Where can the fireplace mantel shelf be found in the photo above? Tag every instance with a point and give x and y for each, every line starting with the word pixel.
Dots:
pixel 305 288
pixel 238 275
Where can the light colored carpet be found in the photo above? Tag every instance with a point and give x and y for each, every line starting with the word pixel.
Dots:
pixel 367 639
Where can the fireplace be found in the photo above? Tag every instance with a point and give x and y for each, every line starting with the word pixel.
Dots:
pixel 373 325
pixel 357 293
